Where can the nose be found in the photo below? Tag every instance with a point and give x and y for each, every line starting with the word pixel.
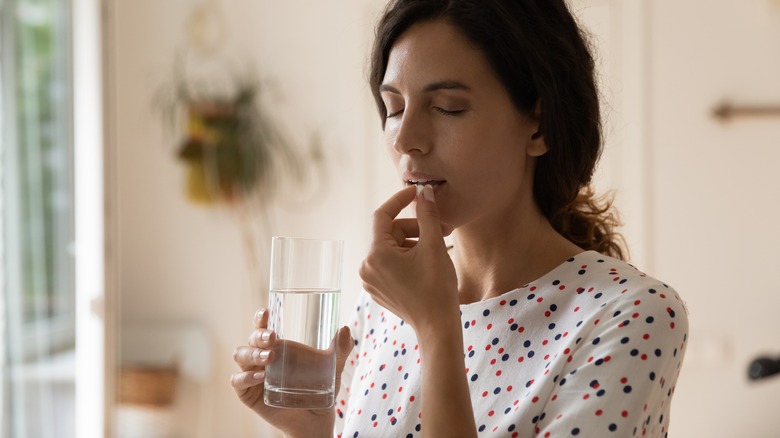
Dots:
pixel 411 135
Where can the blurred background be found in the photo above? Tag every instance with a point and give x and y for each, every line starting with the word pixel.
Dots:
pixel 150 149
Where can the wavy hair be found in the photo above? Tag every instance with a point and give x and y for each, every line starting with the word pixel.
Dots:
pixel 541 56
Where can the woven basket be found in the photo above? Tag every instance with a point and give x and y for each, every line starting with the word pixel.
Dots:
pixel 152 386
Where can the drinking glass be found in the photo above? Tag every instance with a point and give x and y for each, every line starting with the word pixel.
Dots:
pixel 305 290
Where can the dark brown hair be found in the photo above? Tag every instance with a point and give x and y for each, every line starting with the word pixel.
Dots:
pixel 541 56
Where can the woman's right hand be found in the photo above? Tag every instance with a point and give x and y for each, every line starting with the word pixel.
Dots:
pixel 249 382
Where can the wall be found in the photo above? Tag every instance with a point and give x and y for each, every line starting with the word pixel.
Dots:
pixel 715 204
pixel 699 196
pixel 181 263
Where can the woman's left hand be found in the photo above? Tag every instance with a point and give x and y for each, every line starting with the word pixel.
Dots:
pixel 414 279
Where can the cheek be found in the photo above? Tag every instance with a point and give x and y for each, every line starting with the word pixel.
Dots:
pixel 388 138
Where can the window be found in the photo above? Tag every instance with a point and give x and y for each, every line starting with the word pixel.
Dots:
pixel 36 212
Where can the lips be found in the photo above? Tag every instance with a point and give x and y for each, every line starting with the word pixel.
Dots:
pixel 421 179
pixel 434 183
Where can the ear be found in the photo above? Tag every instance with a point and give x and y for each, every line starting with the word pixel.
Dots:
pixel 536 145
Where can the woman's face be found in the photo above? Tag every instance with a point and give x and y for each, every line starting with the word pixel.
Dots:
pixel 451 123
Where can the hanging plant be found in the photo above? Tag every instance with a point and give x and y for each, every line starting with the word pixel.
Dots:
pixel 232 149
pixel 236 156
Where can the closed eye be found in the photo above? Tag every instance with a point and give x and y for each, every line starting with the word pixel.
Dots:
pixel 395 114
pixel 448 112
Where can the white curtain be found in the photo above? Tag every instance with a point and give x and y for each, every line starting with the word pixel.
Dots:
pixel 37 324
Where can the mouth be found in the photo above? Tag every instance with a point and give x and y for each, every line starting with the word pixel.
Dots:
pixel 430 182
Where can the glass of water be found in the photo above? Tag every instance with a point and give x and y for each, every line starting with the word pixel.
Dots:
pixel 303 312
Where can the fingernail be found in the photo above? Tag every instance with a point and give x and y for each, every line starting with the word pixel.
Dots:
pixel 258 375
pixel 419 189
pixel 428 193
pixel 259 356
pixel 259 314
pixel 266 335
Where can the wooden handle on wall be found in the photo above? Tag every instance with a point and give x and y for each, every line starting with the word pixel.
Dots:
pixel 727 111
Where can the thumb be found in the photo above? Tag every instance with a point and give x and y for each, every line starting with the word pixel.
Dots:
pixel 428 216
pixel 344 344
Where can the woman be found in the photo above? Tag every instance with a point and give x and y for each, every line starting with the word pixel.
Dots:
pixel 530 324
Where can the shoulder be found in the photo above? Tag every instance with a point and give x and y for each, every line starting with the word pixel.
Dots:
pixel 620 279
pixel 610 291
pixel 634 301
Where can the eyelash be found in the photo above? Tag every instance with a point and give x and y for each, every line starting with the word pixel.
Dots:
pixel 391 115
pixel 448 113
pixel 439 110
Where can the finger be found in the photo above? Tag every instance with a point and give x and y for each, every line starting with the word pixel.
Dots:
pixel 428 217
pixel 250 358
pixel 262 338
pixel 343 348
pixel 387 212
pixel 261 318
pixel 404 229
pixel 247 379
pixel 409 243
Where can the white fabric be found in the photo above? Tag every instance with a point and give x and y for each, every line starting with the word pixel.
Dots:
pixel 593 348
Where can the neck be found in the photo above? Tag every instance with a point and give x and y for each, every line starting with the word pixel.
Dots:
pixel 507 253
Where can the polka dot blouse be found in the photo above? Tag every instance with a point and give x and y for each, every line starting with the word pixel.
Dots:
pixel 591 349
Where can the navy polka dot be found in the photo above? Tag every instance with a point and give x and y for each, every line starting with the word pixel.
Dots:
pixel 579 352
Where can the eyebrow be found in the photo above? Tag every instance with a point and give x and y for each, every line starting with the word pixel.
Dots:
pixel 443 85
